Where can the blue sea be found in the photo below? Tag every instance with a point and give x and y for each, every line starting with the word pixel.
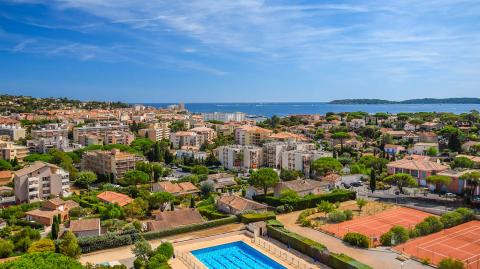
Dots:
pixel 283 109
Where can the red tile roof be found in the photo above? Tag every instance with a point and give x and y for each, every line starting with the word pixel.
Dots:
pixel 115 198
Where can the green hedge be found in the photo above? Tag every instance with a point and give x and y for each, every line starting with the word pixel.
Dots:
pixel 356 239
pixel 342 261
pixel 110 240
pixel 211 213
pixel 312 248
pixel 299 243
pixel 254 217
pixel 309 201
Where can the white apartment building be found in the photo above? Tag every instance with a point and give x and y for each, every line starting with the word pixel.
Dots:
pixel 50 130
pixel 301 160
pixel 224 116
pixel 99 130
pixel 39 181
pixel 13 132
pixel 238 157
pixel 197 155
pixel 272 152
pixel 44 144
pixel 184 139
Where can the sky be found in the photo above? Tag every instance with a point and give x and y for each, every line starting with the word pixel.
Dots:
pixel 240 51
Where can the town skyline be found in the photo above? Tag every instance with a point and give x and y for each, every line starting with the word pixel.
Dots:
pixel 239 52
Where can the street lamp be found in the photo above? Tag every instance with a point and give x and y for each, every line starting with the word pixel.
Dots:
pixel 401 265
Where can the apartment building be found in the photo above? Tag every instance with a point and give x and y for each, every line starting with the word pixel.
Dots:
pixel 224 116
pixel 189 153
pixel 100 130
pixel 13 132
pixel 237 157
pixel 301 160
pixel 112 162
pixel 251 135
pixel 11 151
pixel 156 134
pixel 44 144
pixel 356 123
pixel 184 139
pixel 39 181
pixel 118 137
pixel 272 151
pixel 205 135
pixel 50 130
pixel 90 139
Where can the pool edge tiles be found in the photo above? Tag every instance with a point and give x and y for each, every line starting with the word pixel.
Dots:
pixel 246 256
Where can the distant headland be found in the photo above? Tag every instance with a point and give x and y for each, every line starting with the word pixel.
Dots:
pixel 466 100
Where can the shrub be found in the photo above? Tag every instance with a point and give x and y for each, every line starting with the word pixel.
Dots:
pixel 356 239
pixel 466 213
pixel 386 239
pixel 166 249
pixel 449 263
pixel 336 216
pixel 425 261
pixel 43 260
pixel 211 213
pixel 429 225
pixel 348 214
pixel 450 219
pixel 254 217
pixel 6 248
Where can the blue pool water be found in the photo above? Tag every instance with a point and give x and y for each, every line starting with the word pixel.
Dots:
pixel 235 255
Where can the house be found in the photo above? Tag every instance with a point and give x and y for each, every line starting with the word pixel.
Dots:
pixel 469 146
pixel 221 180
pixel 418 166
pixel 430 126
pixel 332 181
pixel 50 208
pixel 356 124
pixel 423 148
pixel 253 191
pixel 111 197
pixel 85 227
pixel 177 189
pixel 393 150
pixel 428 137
pixel 233 204
pixel 457 185
pixel 301 186
pixel 171 219
pixel 5 177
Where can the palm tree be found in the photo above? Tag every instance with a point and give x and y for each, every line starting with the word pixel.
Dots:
pixel 473 180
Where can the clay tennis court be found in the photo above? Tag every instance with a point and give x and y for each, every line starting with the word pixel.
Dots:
pixel 461 242
pixel 376 225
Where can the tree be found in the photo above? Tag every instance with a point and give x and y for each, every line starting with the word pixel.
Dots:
pixel 43 260
pixel 401 180
pixel 160 200
pixel 5 165
pixel 43 245
pixel 373 180
pixel 136 209
pixel 142 249
pixel 453 135
pixel 473 181
pixel 265 178
pixel 200 170
pixel 326 207
pixel 449 263
pixel 462 162
pixel 206 188
pixel 342 136
pixel 69 246
pixel 192 202
pixel 6 248
pixel 361 203
pixel 55 227
pixel 326 165
pixel 135 177
pixel 288 175
pixel 85 179
pixel 319 134
pixel 112 211
pixel 439 180
pixel 432 151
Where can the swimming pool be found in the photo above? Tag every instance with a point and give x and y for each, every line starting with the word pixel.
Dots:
pixel 235 255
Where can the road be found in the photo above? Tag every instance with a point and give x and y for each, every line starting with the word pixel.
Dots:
pixel 379 258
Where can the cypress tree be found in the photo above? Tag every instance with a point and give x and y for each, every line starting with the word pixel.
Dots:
pixel 373 180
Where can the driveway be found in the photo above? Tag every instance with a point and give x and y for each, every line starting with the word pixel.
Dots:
pixel 378 258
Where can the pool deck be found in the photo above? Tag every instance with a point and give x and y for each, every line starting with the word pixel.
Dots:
pixel 187 247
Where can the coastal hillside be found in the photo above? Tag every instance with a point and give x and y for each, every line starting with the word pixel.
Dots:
pixel 466 100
